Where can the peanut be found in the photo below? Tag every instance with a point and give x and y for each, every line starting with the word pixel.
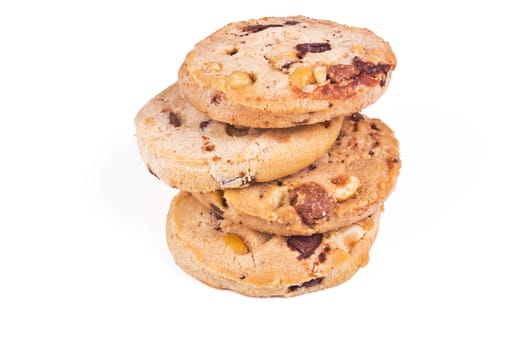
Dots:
pixel 278 197
pixel 239 79
pixel 347 237
pixel 320 73
pixel 235 243
pixel 343 191
pixel 302 77
pixel 211 67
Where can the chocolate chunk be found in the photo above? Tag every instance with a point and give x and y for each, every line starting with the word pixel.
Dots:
pixel 204 124
pixel 360 72
pixel 371 153
pixel 372 70
pixel 311 167
pixel 304 48
pixel 174 119
pixel 224 202
pixel 312 202
pixel 293 288
pixel 312 282
pixel 306 284
pixel 259 27
pixel 217 212
pixel 286 65
pixel 321 257
pixel 233 130
pixel 356 117
pixel 217 99
pixel 305 245
pixel 374 126
pixel 338 73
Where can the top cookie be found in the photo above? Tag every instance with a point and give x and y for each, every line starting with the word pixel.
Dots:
pixel 284 71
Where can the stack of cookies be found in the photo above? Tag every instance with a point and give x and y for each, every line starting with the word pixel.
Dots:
pixel 282 179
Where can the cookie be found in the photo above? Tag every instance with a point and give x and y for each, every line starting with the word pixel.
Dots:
pixel 231 256
pixel 284 71
pixel 189 151
pixel 348 183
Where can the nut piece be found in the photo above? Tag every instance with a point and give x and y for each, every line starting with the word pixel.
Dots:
pixel 320 73
pixel 346 189
pixel 282 60
pixel 345 238
pixel 211 67
pixel 235 243
pixel 358 49
pixel 278 197
pixel 302 77
pixel 239 79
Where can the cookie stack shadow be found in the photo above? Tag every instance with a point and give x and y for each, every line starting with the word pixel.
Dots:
pixel 282 179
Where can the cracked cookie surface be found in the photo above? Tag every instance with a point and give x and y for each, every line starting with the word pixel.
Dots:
pixel 186 149
pixel 231 256
pixel 284 71
pixel 348 183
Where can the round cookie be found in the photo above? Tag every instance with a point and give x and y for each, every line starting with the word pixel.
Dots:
pixel 284 71
pixel 187 150
pixel 348 183
pixel 231 256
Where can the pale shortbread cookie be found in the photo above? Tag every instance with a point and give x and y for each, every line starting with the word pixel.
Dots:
pixel 284 71
pixel 348 183
pixel 187 150
pixel 231 256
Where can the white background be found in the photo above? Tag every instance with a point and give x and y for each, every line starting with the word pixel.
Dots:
pixel 83 258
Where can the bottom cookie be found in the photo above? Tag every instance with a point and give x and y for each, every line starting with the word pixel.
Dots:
pixel 228 255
